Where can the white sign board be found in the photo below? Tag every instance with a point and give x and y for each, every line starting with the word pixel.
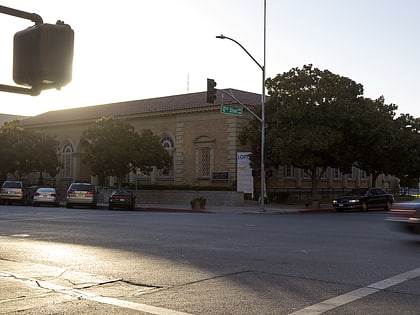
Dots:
pixel 244 173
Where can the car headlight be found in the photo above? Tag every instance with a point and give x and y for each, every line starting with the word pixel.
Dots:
pixel 335 201
pixel 354 200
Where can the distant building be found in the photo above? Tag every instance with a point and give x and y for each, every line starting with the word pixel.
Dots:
pixel 202 141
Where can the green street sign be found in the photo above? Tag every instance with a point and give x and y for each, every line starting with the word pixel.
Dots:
pixel 231 110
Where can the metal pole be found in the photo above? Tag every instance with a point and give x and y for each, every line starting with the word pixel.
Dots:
pixel 262 67
pixel 263 121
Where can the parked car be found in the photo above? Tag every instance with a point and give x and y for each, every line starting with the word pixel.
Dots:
pixel 13 192
pixel 45 196
pixel 81 194
pixel 364 199
pixel 405 217
pixel 122 199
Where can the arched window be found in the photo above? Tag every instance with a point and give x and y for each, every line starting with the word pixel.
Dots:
pixel 168 144
pixel 67 155
pixel 204 157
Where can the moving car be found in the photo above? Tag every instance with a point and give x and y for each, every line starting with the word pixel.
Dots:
pixel 364 199
pixel 405 217
pixel 122 199
pixel 81 194
pixel 13 192
pixel 45 196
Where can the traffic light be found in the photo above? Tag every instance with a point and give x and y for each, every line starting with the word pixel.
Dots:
pixel 43 55
pixel 256 156
pixel 268 153
pixel 211 91
pixel 256 149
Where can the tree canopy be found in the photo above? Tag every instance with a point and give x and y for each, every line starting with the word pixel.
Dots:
pixel 317 119
pixel 23 151
pixel 114 148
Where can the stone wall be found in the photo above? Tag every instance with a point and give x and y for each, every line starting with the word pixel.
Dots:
pixel 181 197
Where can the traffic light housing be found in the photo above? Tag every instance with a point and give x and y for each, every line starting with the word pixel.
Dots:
pixel 268 153
pixel 43 55
pixel 256 156
pixel 211 91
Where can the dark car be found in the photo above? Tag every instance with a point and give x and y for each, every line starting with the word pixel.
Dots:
pixel 122 199
pixel 364 199
pixel 405 217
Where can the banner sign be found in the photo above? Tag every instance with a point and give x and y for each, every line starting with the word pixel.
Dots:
pixel 244 173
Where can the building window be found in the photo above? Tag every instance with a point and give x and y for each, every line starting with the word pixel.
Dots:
pixel 203 157
pixel 304 174
pixel 168 145
pixel 318 173
pixel 336 174
pixel 288 171
pixel 352 174
pixel 204 162
pixel 67 155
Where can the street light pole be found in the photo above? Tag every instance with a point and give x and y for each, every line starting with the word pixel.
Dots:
pixel 262 119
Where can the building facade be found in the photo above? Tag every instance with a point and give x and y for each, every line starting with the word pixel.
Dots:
pixel 202 141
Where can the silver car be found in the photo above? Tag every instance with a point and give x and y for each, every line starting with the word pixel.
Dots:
pixel 81 194
pixel 13 191
pixel 45 196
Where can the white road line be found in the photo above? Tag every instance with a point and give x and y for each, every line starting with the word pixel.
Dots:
pixel 357 294
pixel 92 296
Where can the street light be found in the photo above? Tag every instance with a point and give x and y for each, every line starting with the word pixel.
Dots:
pixel 262 118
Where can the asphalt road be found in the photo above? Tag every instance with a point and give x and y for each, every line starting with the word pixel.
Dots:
pixel 83 261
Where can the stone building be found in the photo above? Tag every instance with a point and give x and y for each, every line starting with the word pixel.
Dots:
pixel 202 141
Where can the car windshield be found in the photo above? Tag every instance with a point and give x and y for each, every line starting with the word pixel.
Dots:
pixel 122 193
pixel 357 192
pixel 12 185
pixel 46 190
pixel 82 187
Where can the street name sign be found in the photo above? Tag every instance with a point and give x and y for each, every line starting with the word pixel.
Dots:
pixel 231 110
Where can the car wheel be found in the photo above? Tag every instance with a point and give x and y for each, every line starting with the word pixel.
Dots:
pixel 69 205
pixel 110 207
pixel 388 205
pixel 364 206
pixel 35 204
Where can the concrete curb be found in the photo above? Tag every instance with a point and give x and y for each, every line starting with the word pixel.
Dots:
pixel 227 209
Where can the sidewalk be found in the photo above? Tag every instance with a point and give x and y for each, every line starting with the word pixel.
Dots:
pixel 245 209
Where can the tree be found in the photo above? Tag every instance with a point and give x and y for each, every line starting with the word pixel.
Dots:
pixel 24 151
pixel 307 114
pixel 10 133
pixel 406 153
pixel 308 118
pixel 374 138
pixel 115 149
pixel 45 155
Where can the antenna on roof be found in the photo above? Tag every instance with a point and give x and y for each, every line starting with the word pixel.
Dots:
pixel 188 83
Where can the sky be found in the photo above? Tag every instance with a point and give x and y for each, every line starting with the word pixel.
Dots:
pixel 137 49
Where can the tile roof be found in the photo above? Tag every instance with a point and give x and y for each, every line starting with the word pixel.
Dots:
pixel 6 117
pixel 137 107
